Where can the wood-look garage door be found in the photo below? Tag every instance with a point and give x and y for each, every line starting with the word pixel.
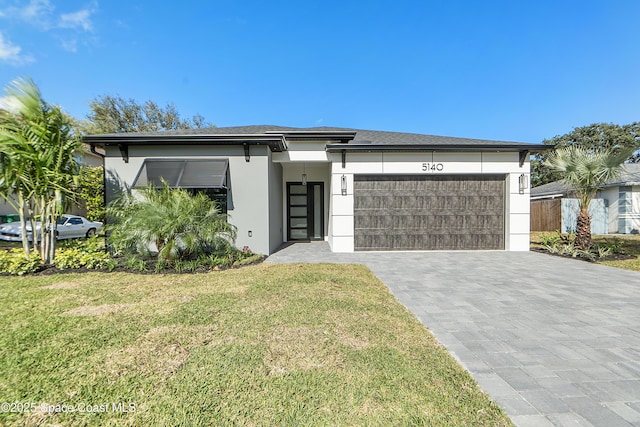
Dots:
pixel 426 212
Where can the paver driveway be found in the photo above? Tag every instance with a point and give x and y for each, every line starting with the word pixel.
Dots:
pixel 554 341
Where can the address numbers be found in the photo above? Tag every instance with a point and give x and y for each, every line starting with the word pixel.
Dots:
pixel 432 167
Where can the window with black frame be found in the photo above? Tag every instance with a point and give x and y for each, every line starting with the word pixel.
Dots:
pixel 206 176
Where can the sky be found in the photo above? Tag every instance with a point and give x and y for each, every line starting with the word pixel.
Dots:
pixel 504 70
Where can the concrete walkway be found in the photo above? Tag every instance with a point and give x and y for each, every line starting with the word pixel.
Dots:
pixel 553 341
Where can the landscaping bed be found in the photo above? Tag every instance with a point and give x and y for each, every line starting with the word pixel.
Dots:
pixel 621 250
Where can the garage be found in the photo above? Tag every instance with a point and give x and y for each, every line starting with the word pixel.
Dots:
pixel 427 212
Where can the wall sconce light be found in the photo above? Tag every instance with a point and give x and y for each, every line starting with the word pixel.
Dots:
pixel 343 185
pixel 304 179
pixel 523 183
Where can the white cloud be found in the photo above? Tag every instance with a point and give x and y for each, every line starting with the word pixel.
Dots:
pixel 36 9
pixel 41 14
pixel 70 45
pixel 36 12
pixel 10 104
pixel 11 53
pixel 79 19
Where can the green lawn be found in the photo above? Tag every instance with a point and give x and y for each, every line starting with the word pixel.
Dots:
pixel 263 345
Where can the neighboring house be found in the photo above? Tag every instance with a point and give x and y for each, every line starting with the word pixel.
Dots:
pixel 359 190
pixel 85 157
pixel 616 208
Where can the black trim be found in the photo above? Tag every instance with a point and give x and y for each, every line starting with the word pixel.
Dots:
pixel 247 155
pixel 310 214
pixel 124 152
pixel 276 143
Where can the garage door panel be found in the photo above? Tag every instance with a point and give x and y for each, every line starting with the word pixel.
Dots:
pixel 429 212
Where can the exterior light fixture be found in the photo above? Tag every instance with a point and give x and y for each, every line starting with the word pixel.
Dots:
pixel 343 185
pixel 304 174
pixel 523 183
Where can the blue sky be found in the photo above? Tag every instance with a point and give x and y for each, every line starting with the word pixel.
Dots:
pixel 507 70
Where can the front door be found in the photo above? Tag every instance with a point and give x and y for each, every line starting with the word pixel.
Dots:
pixel 305 207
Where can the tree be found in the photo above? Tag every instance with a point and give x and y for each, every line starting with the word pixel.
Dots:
pixel 585 171
pixel 114 114
pixel 595 137
pixel 180 225
pixel 37 162
pixel 90 190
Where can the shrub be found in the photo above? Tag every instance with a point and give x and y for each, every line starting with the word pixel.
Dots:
pixel 180 225
pixel 74 258
pixel 248 260
pixel 87 253
pixel 15 262
pixel 550 239
pixel 91 191
pixel 137 264
pixel 615 246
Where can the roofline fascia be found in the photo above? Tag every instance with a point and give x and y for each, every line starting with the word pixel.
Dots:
pixel 277 141
pixel 376 148
pixel 548 196
pixel 342 136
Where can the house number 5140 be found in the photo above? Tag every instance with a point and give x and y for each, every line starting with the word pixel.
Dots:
pixel 432 167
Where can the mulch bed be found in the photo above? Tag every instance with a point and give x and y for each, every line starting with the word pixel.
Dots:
pixel 610 257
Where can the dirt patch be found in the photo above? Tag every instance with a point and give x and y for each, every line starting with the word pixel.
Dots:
pixel 301 349
pixel 351 340
pixel 62 285
pixel 95 310
pixel 39 415
pixel 161 350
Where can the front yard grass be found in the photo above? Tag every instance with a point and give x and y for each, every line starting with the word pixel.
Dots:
pixel 264 345
pixel 629 244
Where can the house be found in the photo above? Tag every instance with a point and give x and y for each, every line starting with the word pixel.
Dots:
pixel 360 190
pixel 615 209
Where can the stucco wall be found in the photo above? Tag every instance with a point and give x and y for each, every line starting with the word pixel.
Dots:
pixel 316 172
pixel 275 206
pixel 248 197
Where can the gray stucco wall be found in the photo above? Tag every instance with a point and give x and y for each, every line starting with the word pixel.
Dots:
pixel 275 206
pixel 248 203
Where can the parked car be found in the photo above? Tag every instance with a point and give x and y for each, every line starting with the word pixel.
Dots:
pixel 67 227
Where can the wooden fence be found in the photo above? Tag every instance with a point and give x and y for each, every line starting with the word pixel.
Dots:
pixel 546 215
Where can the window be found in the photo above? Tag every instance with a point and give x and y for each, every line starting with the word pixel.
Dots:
pixel 208 176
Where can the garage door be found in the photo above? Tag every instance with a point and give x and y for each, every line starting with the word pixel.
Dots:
pixel 409 212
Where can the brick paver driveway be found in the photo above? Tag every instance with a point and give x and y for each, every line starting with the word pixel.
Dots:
pixel 553 341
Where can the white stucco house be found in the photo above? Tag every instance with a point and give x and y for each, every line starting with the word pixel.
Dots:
pixel 359 190
pixel 615 209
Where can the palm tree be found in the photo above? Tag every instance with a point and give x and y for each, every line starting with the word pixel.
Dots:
pixel 181 226
pixel 585 171
pixel 37 162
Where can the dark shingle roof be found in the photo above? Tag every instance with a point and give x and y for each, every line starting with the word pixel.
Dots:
pixel 362 136
pixel 630 176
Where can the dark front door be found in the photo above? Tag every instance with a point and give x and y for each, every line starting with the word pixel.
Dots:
pixel 305 207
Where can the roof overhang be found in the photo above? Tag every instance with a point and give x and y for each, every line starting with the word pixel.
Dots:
pixel 376 148
pixel 342 137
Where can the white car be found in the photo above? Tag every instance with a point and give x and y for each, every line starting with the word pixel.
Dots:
pixel 68 227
